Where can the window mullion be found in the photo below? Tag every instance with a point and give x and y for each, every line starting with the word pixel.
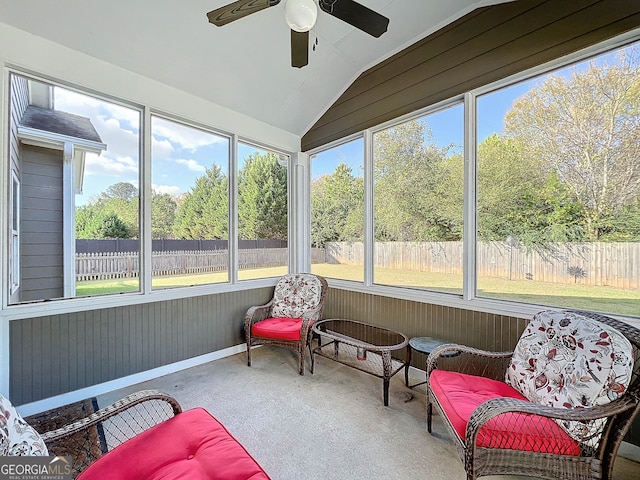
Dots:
pixel 469 236
pixel 146 251
pixel 369 240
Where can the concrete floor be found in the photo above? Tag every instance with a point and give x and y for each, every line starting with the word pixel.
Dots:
pixel 329 425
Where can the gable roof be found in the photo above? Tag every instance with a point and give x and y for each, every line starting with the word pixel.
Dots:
pixel 60 123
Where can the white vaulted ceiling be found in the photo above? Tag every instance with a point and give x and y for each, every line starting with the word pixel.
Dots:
pixel 245 65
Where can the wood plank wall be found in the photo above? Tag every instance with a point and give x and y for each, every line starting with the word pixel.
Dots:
pixel 414 319
pixel 55 354
pixel 486 45
pixel 477 329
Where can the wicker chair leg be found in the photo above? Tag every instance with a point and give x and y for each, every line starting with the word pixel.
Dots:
pixel 249 353
pixel 301 352
pixel 429 416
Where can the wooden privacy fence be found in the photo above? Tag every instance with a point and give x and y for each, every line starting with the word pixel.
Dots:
pixel 604 264
pixel 110 265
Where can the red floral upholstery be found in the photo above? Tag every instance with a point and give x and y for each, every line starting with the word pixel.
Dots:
pixel 286 320
pixel 283 328
pixel 564 359
pixel 460 394
pixel 190 446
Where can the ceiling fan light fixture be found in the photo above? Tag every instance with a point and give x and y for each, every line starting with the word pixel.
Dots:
pixel 300 14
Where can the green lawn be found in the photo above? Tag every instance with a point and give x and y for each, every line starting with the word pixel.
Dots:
pixel 604 299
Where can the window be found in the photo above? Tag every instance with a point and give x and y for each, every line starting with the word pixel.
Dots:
pixel 262 213
pixel 337 212
pixel 14 258
pixel 74 225
pixel 558 187
pixel 418 202
pixel 189 205
pixel 554 192
pixel 74 160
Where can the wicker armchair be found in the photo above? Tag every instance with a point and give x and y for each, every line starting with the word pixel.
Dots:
pixel 507 433
pixel 286 320
pixel 113 425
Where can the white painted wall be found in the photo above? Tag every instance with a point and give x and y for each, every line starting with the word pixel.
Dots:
pixel 35 54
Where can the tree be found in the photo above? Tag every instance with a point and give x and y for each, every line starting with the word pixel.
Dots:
pixel 410 171
pixel 111 226
pixel 93 223
pixel 163 215
pixel 337 207
pixel 121 190
pixel 204 212
pixel 262 198
pixel 519 197
pixel 586 128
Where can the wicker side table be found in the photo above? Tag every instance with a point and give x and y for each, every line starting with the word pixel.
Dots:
pixel 422 345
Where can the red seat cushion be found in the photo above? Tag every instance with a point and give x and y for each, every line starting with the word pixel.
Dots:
pixel 460 394
pixel 279 328
pixel 190 446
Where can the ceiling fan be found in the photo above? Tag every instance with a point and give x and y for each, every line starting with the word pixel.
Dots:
pixel 301 17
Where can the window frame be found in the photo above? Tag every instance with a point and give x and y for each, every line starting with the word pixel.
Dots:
pixel 469 299
pixel 14 242
pixel 145 294
pixel 146 224
pixel 234 203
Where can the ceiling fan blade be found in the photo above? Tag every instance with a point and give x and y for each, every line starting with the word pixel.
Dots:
pixel 236 10
pixel 357 15
pixel 299 49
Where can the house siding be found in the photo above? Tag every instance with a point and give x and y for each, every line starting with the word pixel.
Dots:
pixel 19 103
pixel 41 222
pixel 484 46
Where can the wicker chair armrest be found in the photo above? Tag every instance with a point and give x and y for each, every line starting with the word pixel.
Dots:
pixel 112 410
pixel 452 348
pixel 311 315
pixel 257 313
pixel 499 406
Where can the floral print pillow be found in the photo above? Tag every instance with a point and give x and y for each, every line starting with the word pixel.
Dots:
pixel 564 359
pixel 295 294
pixel 17 437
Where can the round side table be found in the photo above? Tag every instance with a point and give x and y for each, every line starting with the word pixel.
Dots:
pixel 423 345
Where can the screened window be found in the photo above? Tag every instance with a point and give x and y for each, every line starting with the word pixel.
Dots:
pixel 558 186
pixel 262 213
pixel 189 205
pixel 337 212
pixel 418 202
pixel 74 160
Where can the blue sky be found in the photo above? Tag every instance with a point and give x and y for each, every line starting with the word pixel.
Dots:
pixel 446 128
pixel 180 154
pixel 446 125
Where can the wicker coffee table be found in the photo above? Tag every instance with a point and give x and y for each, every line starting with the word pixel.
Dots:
pixel 360 345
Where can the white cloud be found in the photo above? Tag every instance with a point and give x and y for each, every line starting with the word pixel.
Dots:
pixel 186 137
pixel 117 126
pixel 122 167
pixel 87 106
pixel 161 149
pixel 191 165
pixel 170 189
